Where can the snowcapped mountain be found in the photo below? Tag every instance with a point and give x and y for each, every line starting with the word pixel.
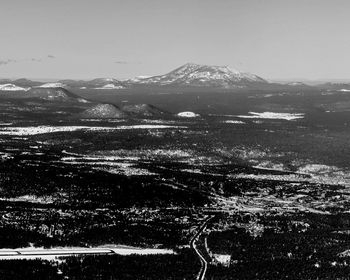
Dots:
pixel 197 75
pixel 111 86
pixel 99 83
pixel 52 85
pixel 103 81
pixel 12 87
pixel 297 84
pixel 188 76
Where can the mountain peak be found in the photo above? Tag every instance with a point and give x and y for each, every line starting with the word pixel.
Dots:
pixel 202 67
pixel 197 75
pixel 196 65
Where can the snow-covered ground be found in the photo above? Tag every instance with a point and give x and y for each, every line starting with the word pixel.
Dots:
pixel 317 173
pixel 30 198
pixel 269 165
pixel 82 100
pixel 127 170
pixel 233 122
pixel 158 121
pixel 30 253
pixel 326 174
pixel 103 120
pixel 34 130
pixel 140 153
pixel 273 115
pixel 222 259
pixel 123 161
pixel 5 156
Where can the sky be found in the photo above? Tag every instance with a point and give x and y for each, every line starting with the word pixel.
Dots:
pixel 82 39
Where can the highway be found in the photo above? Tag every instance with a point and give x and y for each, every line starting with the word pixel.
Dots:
pixel 204 263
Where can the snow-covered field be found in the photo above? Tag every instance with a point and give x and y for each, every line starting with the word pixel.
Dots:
pixel 158 121
pixel 316 173
pixel 222 259
pixel 233 122
pixel 123 161
pixel 103 120
pixel 30 198
pixel 124 154
pixel 272 115
pixel 30 253
pixel 5 156
pixel 304 170
pixel 34 130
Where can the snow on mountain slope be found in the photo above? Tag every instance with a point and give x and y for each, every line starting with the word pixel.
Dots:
pixel 52 85
pixel 12 87
pixel 100 81
pixel 111 86
pixel 192 74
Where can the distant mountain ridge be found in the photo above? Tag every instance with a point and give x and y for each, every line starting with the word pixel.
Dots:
pixel 189 76
pixel 99 83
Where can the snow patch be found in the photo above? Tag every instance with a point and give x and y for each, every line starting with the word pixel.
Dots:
pixel 82 100
pixel 273 115
pixel 34 130
pixel 234 122
pixel 188 115
pixel 30 198
pixel 222 259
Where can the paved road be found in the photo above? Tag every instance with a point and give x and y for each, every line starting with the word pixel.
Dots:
pixel 204 263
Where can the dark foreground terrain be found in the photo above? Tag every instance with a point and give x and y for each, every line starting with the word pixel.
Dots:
pixel 255 187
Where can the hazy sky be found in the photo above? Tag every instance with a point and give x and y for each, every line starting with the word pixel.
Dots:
pixel 115 38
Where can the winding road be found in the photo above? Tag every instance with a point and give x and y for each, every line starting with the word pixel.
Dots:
pixel 204 263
